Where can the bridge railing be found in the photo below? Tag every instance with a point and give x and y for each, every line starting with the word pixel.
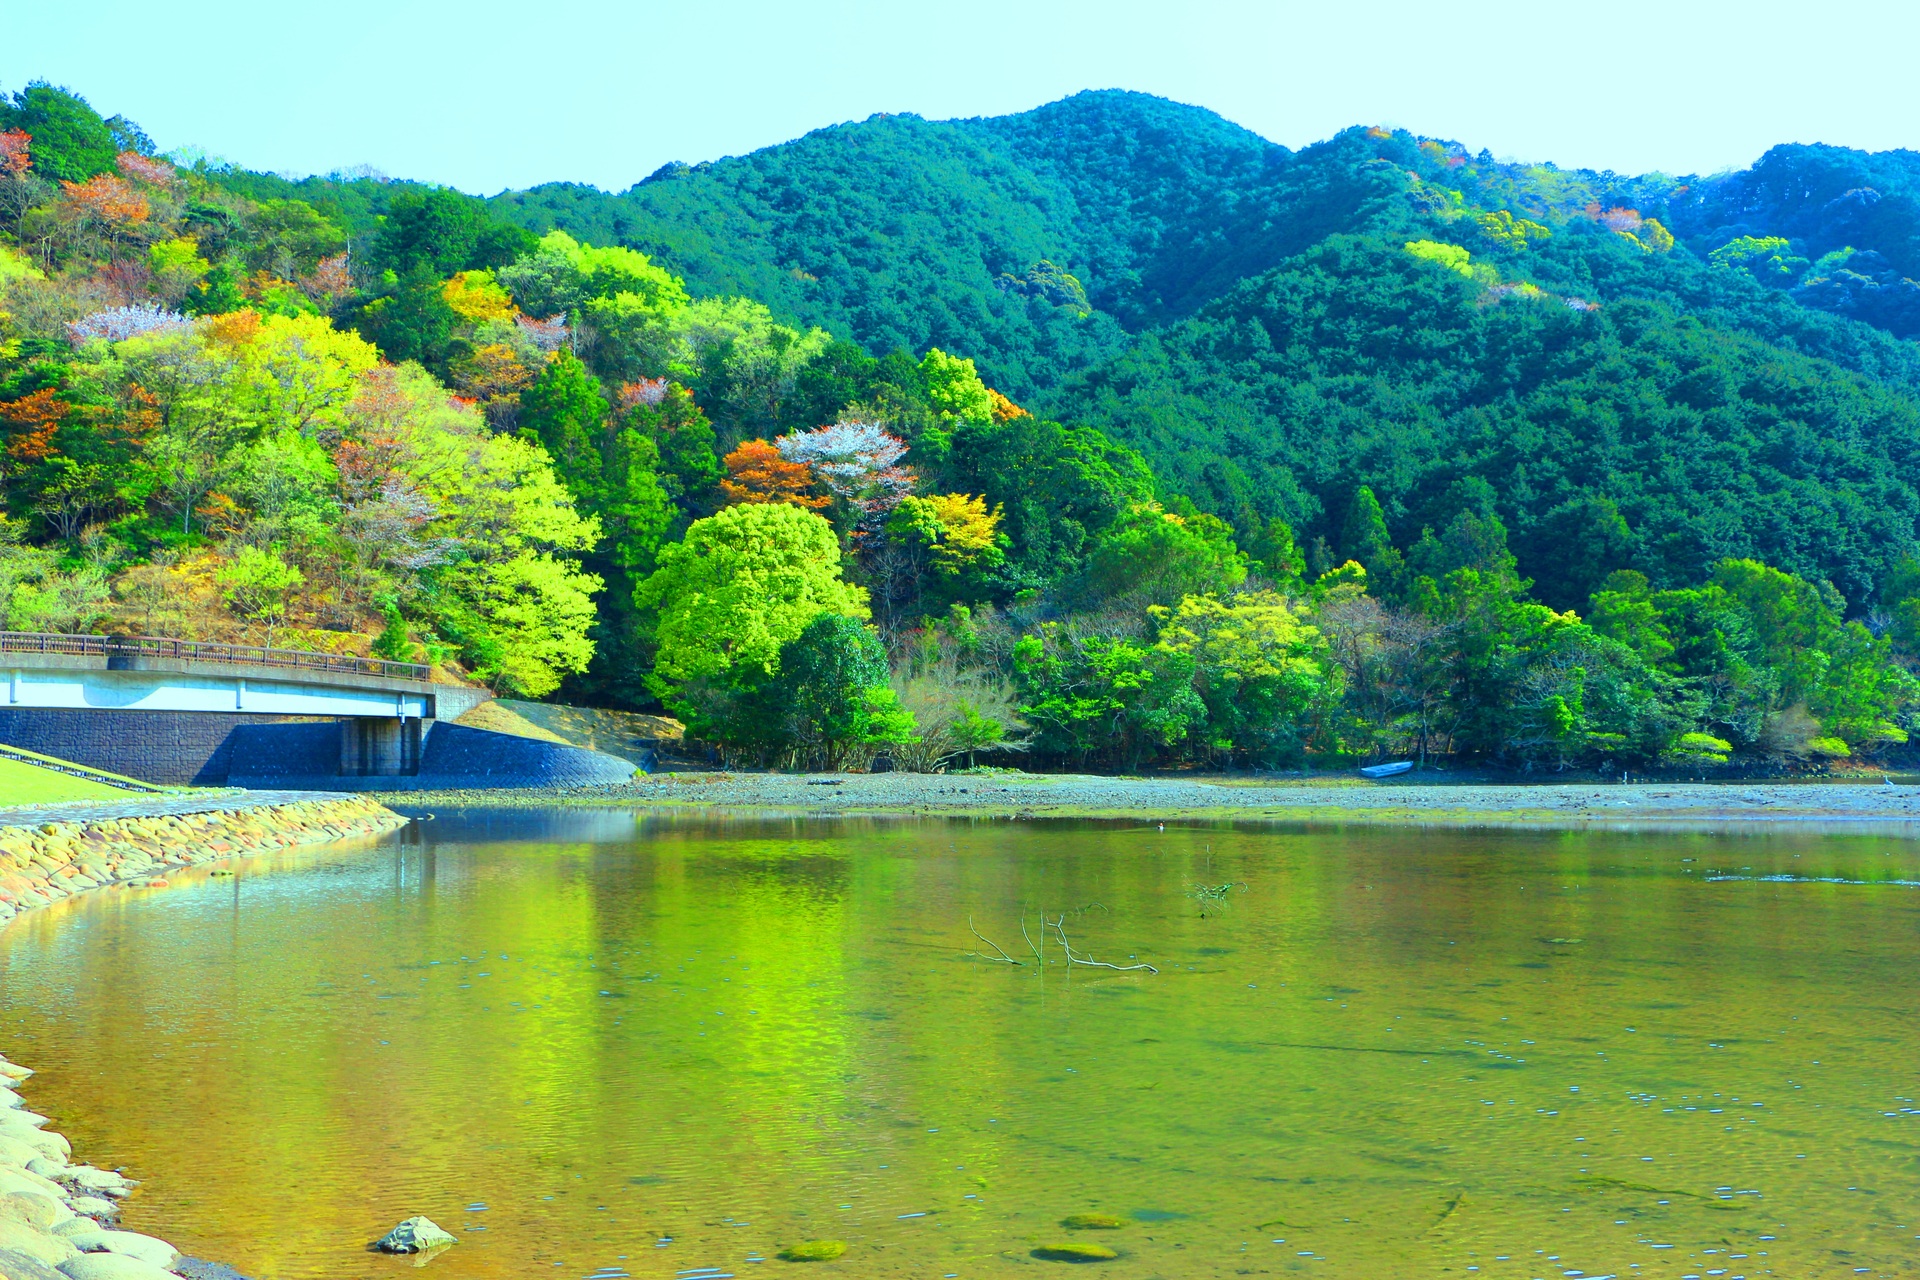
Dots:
pixel 126 647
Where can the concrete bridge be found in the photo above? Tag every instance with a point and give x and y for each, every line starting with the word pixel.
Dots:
pixel 188 711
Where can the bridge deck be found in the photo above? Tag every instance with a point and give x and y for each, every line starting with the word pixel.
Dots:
pixel 149 673
pixel 134 648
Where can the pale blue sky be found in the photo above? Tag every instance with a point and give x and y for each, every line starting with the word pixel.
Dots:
pixel 486 95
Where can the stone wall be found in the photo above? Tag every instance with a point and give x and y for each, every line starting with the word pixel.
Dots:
pixel 54 860
pixel 173 748
pixel 453 757
pixel 207 749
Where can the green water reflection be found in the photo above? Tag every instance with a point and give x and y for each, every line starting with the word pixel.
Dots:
pixel 599 1043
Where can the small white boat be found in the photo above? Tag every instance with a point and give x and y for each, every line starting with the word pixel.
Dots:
pixel 1393 770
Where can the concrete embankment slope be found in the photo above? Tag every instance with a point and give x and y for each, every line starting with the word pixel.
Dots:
pixel 57 1218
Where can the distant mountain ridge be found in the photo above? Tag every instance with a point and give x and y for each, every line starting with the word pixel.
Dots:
pixel 895 230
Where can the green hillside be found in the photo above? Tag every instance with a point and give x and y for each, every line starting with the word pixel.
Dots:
pixel 1108 431
pixel 902 232
pixel 1623 435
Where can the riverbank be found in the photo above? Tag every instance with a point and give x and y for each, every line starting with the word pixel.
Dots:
pixel 1026 795
pixel 56 1217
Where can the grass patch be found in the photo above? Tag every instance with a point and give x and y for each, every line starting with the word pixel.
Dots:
pixel 814 1251
pixel 22 783
pixel 1092 1222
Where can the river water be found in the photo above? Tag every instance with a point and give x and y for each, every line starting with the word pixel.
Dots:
pixel 595 1044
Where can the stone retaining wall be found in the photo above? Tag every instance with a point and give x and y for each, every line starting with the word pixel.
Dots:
pixel 454 757
pixel 57 1218
pixel 42 864
pixel 176 748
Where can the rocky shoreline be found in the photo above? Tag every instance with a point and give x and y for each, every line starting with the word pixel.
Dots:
pixel 1242 798
pixel 57 1218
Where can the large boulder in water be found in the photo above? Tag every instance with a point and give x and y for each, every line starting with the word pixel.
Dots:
pixel 131 1243
pixel 20 1266
pixel 46 1246
pixel 415 1235
pixel 111 1266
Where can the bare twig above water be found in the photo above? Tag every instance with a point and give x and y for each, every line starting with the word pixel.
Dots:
pixel 1001 957
pixel 1023 933
pixel 1059 928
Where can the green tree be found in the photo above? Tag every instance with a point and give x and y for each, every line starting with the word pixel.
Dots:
pixel 255 584
pixel 833 690
pixel 1364 539
pixel 1159 556
pixel 215 293
pixel 1262 671
pixel 1768 259
pixel 412 321
pixel 1900 599
pixel 690 467
pixel 1106 698
pixel 290 237
pixel 736 589
pixel 71 143
pixel 954 389
pixel 435 230
pixel 560 276
pixel 394 642
pixel 1276 555
pixel 1057 489
pixel 564 411
pixel 1574 547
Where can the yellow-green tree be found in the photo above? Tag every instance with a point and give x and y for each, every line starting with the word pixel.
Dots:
pixel 1510 232
pixel 954 388
pixel 1262 671
pixel 738 587
pixel 956 529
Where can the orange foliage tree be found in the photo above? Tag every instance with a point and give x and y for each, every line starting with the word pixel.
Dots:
pixel 15 150
pixel 757 473
pixel 114 204
pixel 1004 410
pixel 33 419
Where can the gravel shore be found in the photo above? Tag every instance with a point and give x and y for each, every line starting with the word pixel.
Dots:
pixel 1226 798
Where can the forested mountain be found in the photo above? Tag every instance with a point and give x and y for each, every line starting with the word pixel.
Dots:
pixel 1838 229
pixel 1604 436
pixel 899 231
pixel 1110 428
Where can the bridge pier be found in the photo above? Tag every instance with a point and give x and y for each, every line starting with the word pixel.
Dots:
pixel 371 748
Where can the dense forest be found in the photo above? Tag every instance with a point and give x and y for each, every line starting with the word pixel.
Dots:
pixel 1109 434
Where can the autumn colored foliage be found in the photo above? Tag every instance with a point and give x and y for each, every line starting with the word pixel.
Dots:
pixel 15 150
pixel 114 202
pixel 756 472
pixel 32 421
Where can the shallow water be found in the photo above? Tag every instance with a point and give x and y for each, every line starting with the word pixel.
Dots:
pixel 594 1044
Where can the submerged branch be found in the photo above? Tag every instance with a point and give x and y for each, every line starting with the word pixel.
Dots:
pixel 1058 926
pixel 1023 933
pixel 1205 894
pixel 1001 958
